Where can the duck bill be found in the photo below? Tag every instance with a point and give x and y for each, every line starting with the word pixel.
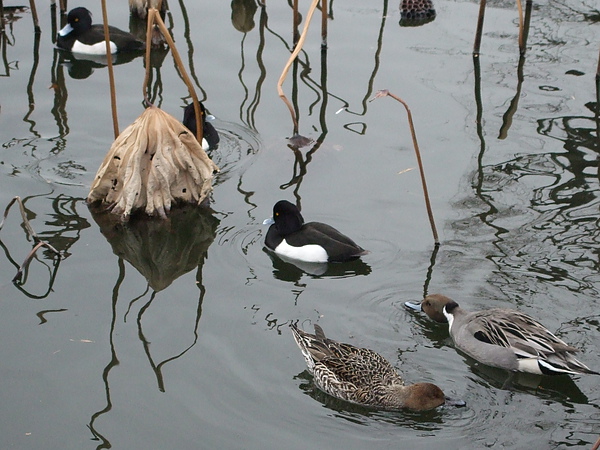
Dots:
pixel 455 402
pixel 65 30
pixel 413 306
pixel 268 221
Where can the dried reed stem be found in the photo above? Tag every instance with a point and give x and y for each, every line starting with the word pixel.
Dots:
pixel 111 75
pixel 291 59
pixel 479 30
pixel 154 18
pixel 386 93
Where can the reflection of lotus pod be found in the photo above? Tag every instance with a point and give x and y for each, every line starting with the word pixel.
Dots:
pixel 416 12
pixel 153 163
pixel 160 250
pixel 242 14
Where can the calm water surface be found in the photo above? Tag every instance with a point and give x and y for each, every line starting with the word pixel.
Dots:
pixel 175 335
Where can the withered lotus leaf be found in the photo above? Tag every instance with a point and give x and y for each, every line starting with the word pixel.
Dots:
pixel 154 163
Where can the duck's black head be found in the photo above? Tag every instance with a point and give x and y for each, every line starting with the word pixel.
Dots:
pixel 80 20
pixel 208 131
pixel 287 217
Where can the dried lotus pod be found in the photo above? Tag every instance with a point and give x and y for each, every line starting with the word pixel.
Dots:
pixel 416 12
pixel 152 164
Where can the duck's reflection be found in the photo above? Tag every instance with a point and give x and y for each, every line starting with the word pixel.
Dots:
pixel 292 270
pixel 560 388
pixel 82 66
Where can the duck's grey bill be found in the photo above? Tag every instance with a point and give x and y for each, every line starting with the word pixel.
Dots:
pixel 268 221
pixel 66 30
pixel 413 306
pixel 455 402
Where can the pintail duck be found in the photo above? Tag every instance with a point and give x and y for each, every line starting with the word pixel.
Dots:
pixel 289 236
pixel 504 338
pixel 361 376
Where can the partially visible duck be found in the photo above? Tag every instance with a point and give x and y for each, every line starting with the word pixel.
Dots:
pixel 504 338
pixel 80 36
pixel 361 376
pixel 289 236
pixel 139 8
pixel 210 137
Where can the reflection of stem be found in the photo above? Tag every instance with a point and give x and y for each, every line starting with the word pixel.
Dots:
pixel 111 75
pixel 512 108
pixel 291 59
pixel 157 368
pixel 373 72
pixel 114 361
pixel 190 45
pixel 30 82
pixel 434 253
pixel 385 93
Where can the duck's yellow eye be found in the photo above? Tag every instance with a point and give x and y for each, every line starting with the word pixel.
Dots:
pixel 76 19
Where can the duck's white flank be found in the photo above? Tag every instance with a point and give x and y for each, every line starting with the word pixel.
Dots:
pixel 308 253
pixel 96 49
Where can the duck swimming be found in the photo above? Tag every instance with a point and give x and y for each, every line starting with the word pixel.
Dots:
pixel 80 36
pixel 210 137
pixel 362 376
pixel 504 338
pixel 289 236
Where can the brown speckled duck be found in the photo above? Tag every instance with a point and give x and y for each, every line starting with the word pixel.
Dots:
pixel 361 376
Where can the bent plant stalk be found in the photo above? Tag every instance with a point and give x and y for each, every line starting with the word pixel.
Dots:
pixel 30 232
pixel 386 93
pixel 291 59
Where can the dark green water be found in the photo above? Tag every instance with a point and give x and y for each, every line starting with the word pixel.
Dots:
pixel 176 335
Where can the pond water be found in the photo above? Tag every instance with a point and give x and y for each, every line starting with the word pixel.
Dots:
pixel 175 334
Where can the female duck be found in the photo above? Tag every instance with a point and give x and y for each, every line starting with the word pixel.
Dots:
pixel 504 338
pixel 80 36
pixel 210 137
pixel 289 236
pixel 361 376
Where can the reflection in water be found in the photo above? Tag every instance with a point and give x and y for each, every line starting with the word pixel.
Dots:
pixel 242 14
pixel 286 269
pixel 82 66
pixel 559 388
pixel 161 251
pixel 61 231
pixel 7 38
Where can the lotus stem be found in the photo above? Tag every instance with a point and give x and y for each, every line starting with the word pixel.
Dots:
pixel 154 18
pixel 291 59
pixel 386 93
pixel 111 75
pixel 477 44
